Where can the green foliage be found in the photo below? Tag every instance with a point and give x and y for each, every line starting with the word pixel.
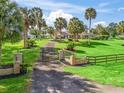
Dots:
pixel 75 26
pixel 51 31
pixel 60 23
pixel 11 20
pixel 121 37
pixel 31 43
pixel 90 13
pixel 101 30
pixel 35 33
pixel 70 46
pixel 35 17
pixel 111 29
pixel 120 27
pixel 101 37
pixel 70 39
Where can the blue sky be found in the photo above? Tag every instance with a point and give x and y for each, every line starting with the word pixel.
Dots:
pixel 107 10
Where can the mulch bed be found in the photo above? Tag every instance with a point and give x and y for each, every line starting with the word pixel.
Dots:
pixel 6 66
pixel 22 72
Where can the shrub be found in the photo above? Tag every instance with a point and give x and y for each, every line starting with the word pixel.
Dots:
pixel 70 39
pixel 70 46
pixel 101 37
pixel 31 43
pixel 24 69
pixel 120 37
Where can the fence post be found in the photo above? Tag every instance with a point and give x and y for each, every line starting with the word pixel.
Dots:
pixel 18 59
pixel 72 60
pixel 85 60
pixel 61 55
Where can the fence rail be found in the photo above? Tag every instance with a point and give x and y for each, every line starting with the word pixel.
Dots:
pixel 105 58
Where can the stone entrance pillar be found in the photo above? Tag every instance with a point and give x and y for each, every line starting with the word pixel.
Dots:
pixel 61 55
pixel 18 59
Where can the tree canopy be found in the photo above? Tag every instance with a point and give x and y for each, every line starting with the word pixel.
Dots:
pixel 75 26
pixel 60 23
pixel 120 27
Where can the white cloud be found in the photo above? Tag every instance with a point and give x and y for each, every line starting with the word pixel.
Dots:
pixel 53 15
pixel 121 9
pixel 99 22
pixel 51 5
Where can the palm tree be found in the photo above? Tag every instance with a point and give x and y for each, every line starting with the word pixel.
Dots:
pixel 75 27
pixel 25 14
pixel 111 28
pixel 60 24
pixel 37 22
pixel 50 30
pixel 120 27
pixel 35 16
pixel 101 30
pixel 10 22
pixel 90 14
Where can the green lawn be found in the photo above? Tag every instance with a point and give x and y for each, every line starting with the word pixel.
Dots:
pixel 98 47
pixel 111 73
pixel 18 84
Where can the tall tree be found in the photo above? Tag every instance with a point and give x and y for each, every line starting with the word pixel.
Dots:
pixel 120 27
pixel 75 27
pixel 10 22
pixel 26 21
pixel 90 14
pixel 111 29
pixel 101 30
pixel 51 31
pixel 36 20
pixel 60 24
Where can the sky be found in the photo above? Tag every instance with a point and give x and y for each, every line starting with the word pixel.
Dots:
pixel 107 10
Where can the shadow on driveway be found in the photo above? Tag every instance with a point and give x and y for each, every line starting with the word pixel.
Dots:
pixel 53 81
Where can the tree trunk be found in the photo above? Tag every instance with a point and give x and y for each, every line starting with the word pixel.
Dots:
pixel 89 25
pixel 0 51
pixel 60 33
pixel 89 31
pixel 26 26
pixel 1 36
pixel 51 36
pixel 25 38
pixel 77 37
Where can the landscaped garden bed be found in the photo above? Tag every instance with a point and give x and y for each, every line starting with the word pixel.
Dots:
pixel 6 66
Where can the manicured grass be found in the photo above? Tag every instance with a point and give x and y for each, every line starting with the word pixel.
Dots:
pixel 18 84
pixel 111 73
pixel 98 47
pixel 14 85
